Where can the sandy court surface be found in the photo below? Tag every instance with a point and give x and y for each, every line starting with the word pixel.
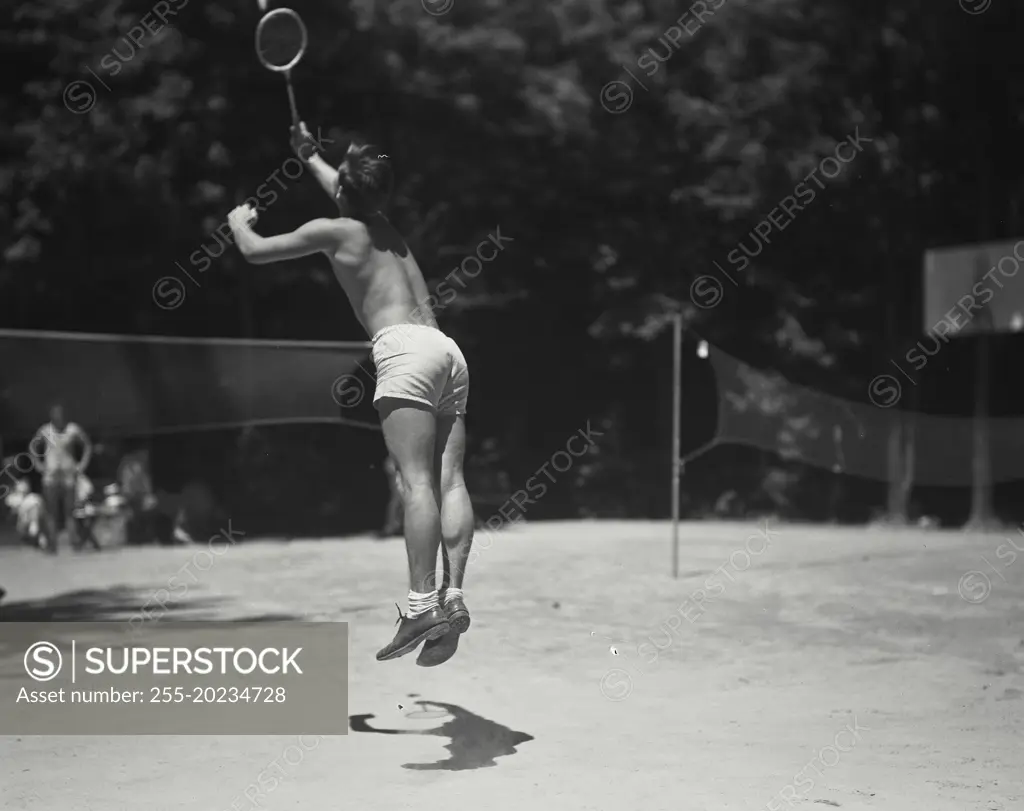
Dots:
pixel 828 667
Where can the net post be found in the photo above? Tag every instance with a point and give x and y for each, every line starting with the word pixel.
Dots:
pixel 981 516
pixel 677 369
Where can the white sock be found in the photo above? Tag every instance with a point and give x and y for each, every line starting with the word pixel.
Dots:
pixel 451 593
pixel 421 603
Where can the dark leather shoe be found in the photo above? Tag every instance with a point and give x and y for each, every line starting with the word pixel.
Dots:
pixel 438 651
pixel 412 631
pixel 458 615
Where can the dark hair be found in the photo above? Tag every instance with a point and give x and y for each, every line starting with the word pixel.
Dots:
pixel 365 177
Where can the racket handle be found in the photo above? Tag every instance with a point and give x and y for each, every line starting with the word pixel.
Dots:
pixel 291 98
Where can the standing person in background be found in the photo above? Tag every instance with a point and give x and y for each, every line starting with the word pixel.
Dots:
pixel 393 517
pixel 53 454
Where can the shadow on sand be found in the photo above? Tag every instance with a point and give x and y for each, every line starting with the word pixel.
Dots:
pixel 475 742
pixel 121 603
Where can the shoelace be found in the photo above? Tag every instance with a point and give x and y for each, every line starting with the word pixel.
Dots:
pixel 400 615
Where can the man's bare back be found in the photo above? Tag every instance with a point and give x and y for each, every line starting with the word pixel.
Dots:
pixel 379 275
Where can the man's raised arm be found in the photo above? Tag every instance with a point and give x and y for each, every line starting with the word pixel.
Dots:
pixel 305 147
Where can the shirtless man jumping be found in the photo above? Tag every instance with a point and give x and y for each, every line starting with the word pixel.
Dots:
pixel 422 380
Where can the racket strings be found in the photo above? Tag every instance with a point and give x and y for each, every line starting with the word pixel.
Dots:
pixel 280 39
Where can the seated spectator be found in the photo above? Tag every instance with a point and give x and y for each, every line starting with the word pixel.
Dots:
pixel 85 514
pixel 112 498
pixel 83 489
pixel 28 509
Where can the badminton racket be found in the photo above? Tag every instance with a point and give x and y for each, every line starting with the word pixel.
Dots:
pixel 280 44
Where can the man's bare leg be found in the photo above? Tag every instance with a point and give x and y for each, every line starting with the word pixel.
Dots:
pixel 409 432
pixel 456 507
pixel 457 533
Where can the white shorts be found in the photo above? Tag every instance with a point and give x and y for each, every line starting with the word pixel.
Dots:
pixel 420 363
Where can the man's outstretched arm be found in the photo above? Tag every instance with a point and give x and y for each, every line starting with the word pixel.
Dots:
pixel 316 236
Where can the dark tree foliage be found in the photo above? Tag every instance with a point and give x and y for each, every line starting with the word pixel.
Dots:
pixel 494 115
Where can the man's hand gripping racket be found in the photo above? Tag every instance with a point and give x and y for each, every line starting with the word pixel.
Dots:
pixel 302 141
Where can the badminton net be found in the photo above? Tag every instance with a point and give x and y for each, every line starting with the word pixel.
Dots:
pixel 761 408
pixel 121 385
